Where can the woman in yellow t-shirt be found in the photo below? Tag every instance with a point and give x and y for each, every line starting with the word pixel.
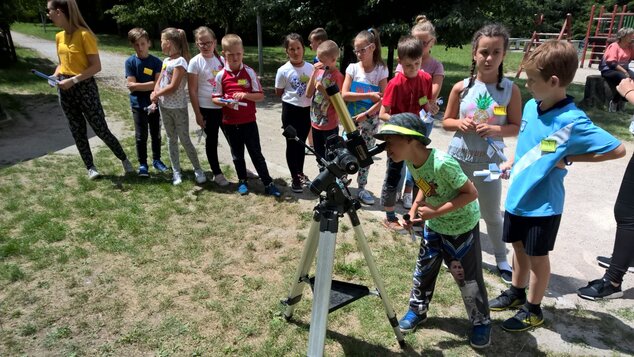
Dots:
pixel 77 88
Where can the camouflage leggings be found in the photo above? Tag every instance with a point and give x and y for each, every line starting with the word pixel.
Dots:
pixel 81 103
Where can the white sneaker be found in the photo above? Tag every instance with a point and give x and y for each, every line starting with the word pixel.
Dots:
pixel 221 180
pixel 252 175
pixel 200 176
pixel 93 173
pixel 365 197
pixel 127 166
pixel 407 200
pixel 176 178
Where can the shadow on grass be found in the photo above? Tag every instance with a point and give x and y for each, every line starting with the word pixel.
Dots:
pixel 502 343
pixel 42 130
pixel 592 328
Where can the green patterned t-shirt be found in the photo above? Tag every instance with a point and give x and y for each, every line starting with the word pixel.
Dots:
pixel 440 179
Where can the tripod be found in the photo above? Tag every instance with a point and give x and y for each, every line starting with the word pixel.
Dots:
pixel 329 295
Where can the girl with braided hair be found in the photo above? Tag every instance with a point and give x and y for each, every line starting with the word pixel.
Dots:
pixel 485 105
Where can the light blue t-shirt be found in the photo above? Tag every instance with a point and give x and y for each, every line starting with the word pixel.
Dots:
pixel 536 186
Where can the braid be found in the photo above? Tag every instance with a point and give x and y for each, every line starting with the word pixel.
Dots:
pixel 500 76
pixel 471 79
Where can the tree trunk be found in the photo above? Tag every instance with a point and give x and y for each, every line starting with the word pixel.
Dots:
pixel 597 92
pixel 390 60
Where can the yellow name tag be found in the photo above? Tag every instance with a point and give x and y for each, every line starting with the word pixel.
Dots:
pixel 147 71
pixel 242 82
pixel 422 100
pixel 499 110
pixel 548 145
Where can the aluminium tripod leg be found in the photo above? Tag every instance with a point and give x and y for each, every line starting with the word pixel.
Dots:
pixel 362 242
pixel 323 283
pixel 301 275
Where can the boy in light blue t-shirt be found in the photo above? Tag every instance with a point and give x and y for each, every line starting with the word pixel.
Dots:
pixel 554 133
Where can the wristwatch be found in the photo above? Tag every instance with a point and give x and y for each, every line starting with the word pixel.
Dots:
pixel 74 79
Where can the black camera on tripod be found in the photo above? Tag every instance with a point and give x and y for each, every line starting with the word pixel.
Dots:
pixel 339 162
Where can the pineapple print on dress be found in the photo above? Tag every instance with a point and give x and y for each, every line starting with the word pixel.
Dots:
pixel 483 103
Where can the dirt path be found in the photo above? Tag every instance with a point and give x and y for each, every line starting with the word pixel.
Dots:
pixel 587 227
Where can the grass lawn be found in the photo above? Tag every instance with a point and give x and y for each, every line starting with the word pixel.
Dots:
pixel 124 266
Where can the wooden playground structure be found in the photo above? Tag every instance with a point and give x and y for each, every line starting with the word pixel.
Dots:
pixel 539 37
pixel 602 28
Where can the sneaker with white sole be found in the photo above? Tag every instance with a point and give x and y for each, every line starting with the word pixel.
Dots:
pixel 143 171
pixel 159 165
pixel 93 173
pixel 410 321
pixel 221 180
pixel 365 197
pixel 252 175
pixel 480 336
pixel 127 166
pixel 600 289
pixel 606 261
pixel 200 176
pixel 176 178
pixel 407 200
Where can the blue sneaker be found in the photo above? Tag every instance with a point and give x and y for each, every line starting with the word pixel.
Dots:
pixel 143 171
pixel 272 190
pixel 243 188
pixel 159 165
pixel 480 336
pixel 410 321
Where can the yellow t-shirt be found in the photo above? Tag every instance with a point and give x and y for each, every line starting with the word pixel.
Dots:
pixel 73 50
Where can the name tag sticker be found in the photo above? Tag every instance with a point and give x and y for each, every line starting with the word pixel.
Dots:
pixel 147 71
pixel 422 100
pixel 242 82
pixel 548 145
pixel 499 110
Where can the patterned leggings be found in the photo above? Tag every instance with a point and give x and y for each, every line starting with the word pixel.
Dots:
pixel 464 258
pixel 367 129
pixel 81 103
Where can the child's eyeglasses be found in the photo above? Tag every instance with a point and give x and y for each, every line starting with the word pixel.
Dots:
pixel 205 44
pixel 362 50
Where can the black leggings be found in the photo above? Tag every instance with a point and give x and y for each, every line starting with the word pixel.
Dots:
pixel 213 122
pixel 81 104
pixel 614 77
pixel 623 253
pixel 298 118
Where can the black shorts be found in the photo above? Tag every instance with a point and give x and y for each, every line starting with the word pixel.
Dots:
pixel 538 234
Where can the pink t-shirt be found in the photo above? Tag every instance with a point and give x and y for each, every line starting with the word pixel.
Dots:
pixel 430 65
pixel 615 53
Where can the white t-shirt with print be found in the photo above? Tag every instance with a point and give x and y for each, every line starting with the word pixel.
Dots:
pixel 358 74
pixel 206 69
pixel 294 80
pixel 178 98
